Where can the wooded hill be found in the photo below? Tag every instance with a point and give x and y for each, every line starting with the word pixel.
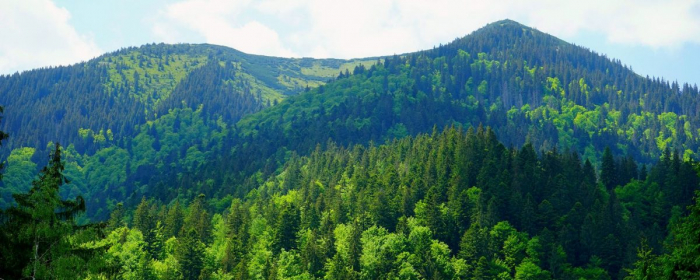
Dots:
pixel 104 104
pixel 507 153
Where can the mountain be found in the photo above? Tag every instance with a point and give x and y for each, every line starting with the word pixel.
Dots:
pixel 140 120
pixel 104 104
pixel 507 153
pixel 528 86
pixel 120 90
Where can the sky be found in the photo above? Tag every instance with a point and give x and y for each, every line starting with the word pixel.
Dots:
pixel 655 38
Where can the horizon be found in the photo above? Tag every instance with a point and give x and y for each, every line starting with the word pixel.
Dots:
pixel 660 40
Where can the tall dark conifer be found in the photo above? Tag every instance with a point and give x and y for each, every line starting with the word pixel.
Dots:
pixel 608 174
pixel 3 136
pixel 38 229
pixel 190 255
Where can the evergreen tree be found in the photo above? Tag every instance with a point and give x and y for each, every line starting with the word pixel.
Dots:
pixel 608 174
pixel 116 218
pixel 3 136
pixel 190 255
pixel 647 266
pixel 174 220
pixel 39 229
pixel 287 227
pixel 684 259
pixel 198 219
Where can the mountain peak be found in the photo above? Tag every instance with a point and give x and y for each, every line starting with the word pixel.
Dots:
pixel 510 26
pixel 507 21
pixel 508 34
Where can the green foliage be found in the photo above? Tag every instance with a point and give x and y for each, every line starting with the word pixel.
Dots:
pixel 19 173
pixel 41 239
pixel 529 270
pixel 527 85
pixel 684 260
pixel 148 76
pixel 127 248
pixel 646 266
pixel 190 255
pixel 312 194
pixel 104 102
pixel 319 217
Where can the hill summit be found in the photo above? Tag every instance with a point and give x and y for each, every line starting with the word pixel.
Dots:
pixel 507 154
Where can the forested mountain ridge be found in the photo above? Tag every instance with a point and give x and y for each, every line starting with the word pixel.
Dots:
pixel 527 85
pixel 505 154
pixel 161 116
pixel 102 108
pixel 120 90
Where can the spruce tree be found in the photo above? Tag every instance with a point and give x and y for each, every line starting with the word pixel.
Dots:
pixel 287 228
pixel 608 173
pixel 174 220
pixel 198 219
pixel 684 260
pixel 3 136
pixel 39 227
pixel 190 255
pixel 116 218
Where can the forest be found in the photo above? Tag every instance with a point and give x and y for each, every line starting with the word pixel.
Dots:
pixel 505 154
pixel 451 204
pixel 206 130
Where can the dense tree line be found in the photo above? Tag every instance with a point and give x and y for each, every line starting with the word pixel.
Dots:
pixel 592 179
pixel 527 85
pixel 121 90
pixel 163 102
pixel 219 90
pixel 128 115
pixel 450 204
pixel 445 205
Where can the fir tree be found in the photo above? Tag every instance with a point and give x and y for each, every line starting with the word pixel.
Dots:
pixel 39 227
pixel 608 172
pixel 190 255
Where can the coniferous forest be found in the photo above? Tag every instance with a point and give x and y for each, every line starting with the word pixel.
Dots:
pixel 505 154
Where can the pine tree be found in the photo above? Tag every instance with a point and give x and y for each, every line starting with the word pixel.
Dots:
pixel 474 244
pixel 684 259
pixel 647 265
pixel 39 227
pixel 116 218
pixel 198 219
pixel 287 228
pixel 3 136
pixel 190 255
pixel 174 220
pixel 608 174
pixel 143 221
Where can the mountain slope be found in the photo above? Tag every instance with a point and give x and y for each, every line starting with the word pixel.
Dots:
pixel 120 90
pixel 528 86
pixel 279 184
pixel 137 104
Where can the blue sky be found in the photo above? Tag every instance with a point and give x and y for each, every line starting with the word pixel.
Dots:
pixel 656 38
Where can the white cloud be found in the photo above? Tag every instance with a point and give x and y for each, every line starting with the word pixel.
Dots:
pixel 36 33
pixel 360 28
pixel 216 21
pixel 652 23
